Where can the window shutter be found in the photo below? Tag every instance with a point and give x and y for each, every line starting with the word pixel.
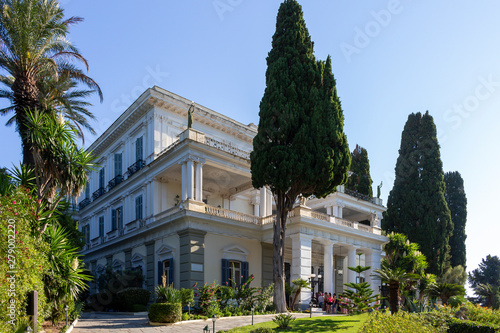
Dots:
pixel 118 165
pixel 225 272
pixel 138 149
pixel 138 208
pixel 120 218
pixel 171 272
pixel 113 219
pixel 160 272
pixel 244 270
pixel 101 178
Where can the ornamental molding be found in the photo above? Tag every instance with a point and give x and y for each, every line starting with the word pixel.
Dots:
pixel 235 252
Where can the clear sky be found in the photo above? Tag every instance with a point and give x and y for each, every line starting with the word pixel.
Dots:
pixel 390 58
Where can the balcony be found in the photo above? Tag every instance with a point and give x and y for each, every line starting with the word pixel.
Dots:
pixel 297 214
pixel 100 191
pixel 84 203
pixel 114 182
pixel 135 167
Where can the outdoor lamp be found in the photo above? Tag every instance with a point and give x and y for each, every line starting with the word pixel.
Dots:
pixel 214 318
pixel 28 329
pixel 189 310
pixel 66 308
pixel 310 309
pixel 253 308
pixel 206 329
pixel 312 276
pixel 320 276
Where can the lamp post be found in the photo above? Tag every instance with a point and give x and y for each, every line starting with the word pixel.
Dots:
pixel 214 318
pixel 253 308
pixel 206 329
pixel 189 310
pixel 313 283
pixel 28 329
pixel 66 308
pixel 310 309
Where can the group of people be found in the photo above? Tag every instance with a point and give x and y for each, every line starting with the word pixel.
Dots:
pixel 331 303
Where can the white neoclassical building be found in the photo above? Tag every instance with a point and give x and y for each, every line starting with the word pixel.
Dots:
pixel 177 201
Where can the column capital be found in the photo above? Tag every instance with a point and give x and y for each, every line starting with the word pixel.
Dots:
pixel 301 236
pixel 340 203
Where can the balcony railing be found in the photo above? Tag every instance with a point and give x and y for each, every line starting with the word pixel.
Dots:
pixel 115 181
pixel 135 167
pixel 228 148
pixel 358 195
pixel 100 191
pixel 84 203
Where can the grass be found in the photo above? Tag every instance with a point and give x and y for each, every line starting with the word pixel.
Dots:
pixel 344 324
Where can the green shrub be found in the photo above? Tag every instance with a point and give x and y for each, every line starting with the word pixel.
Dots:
pixel 263 330
pixel 283 320
pixel 468 326
pixel 187 296
pixel 168 294
pixel 401 322
pixel 481 314
pixel 130 296
pixel 185 316
pixel 165 312
pixel 139 308
pixel 456 301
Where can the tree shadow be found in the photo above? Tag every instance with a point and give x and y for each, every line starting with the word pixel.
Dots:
pixel 306 326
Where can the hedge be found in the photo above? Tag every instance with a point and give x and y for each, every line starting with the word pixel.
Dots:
pixel 129 297
pixel 468 326
pixel 165 312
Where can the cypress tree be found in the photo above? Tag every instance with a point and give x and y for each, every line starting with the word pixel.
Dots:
pixel 457 203
pixel 300 147
pixel 360 179
pixel 416 205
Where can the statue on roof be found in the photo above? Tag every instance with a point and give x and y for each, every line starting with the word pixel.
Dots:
pixel 378 189
pixel 190 115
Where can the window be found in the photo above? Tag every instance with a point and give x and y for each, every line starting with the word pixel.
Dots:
pixel 166 271
pixel 87 191
pixel 101 226
pixel 118 165
pixel 234 272
pixel 101 178
pixel 138 208
pixel 138 149
pixel 117 218
pixel 86 233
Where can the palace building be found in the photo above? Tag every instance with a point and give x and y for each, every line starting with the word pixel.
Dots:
pixel 179 202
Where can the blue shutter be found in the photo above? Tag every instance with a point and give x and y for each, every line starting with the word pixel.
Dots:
pixel 244 270
pixel 160 272
pixel 120 218
pixel 118 165
pixel 171 272
pixel 225 272
pixel 101 178
pixel 138 208
pixel 113 219
pixel 138 149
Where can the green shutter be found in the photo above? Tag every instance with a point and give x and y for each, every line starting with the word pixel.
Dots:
pixel 225 272
pixel 120 218
pixel 113 219
pixel 118 165
pixel 138 149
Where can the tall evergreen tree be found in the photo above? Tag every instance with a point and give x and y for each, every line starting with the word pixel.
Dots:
pixel 457 203
pixel 360 179
pixel 300 147
pixel 416 205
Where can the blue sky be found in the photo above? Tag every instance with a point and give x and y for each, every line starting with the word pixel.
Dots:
pixel 390 58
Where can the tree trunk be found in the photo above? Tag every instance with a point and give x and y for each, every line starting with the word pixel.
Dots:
pixel 279 227
pixel 394 296
pixel 25 98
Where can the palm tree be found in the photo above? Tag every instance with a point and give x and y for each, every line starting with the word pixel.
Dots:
pixel 490 295
pixel 298 285
pixel 395 277
pixel 61 167
pixel 445 290
pixel 33 47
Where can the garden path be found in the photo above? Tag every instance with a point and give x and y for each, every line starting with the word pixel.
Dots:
pixel 108 323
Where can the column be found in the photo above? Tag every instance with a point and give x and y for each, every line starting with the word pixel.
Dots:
pixel 190 179
pixel 373 259
pixel 199 181
pixel 263 202
pixel 329 210
pixel 337 208
pixel 269 204
pixel 328 267
pixel 301 264
pixel 183 181
pixel 256 204
pixel 351 262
